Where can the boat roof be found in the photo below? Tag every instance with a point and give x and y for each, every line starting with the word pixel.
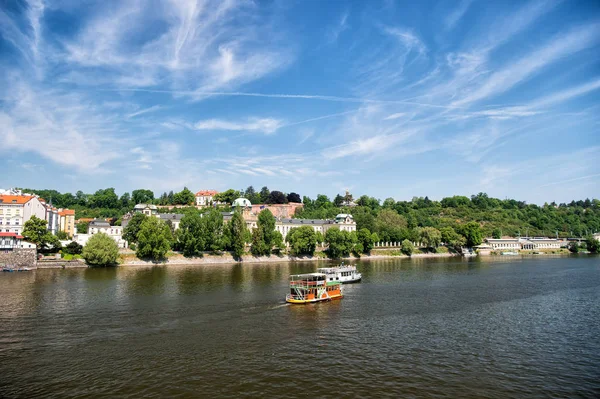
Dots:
pixel 309 275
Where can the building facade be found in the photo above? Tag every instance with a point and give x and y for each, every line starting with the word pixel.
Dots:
pixel 67 221
pixel 15 210
pixel 523 243
pixel 10 241
pixel 205 197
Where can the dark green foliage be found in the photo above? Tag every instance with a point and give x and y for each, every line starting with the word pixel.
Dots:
pixel 294 197
pixel 341 243
pixel 130 232
pixel 35 231
pixel 366 239
pixel 302 240
pixel 227 197
pixel 184 197
pixel 263 236
pixel 82 227
pixel 153 239
pixel 142 196
pixel 472 233
pixel 251 195
pixel 592 244
pixel 73 248
pixel 62 235
pixel 276 197
pixel 497 233
pixel 238 234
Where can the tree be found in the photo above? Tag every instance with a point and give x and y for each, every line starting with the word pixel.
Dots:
pixel 430 236
pixel 170 198
pixel 276 197
pixel 252 195
pixel 184 197
pixel 390 226
pixel 302 240
pixel 62 235
pixel 238 234
pixel 472 233
pixel 367 240
pixel 130 233
pixel 338 200
pixel 407 247
pixel 190 237
pixel 82 227
pixel 573 247
pixel 452 239
pixel 100 250
pixel 277 242
pixel 154 239
pixel 212 230
pixel 104 198
pixel 389 203
pixel 341 243
pixel 227 197
pixel 142 196
pixel 73 248
pixel 35 231
pixel 592 244
pixel 294 197
pixel 497 233
pixel 264 194
pixel 263 234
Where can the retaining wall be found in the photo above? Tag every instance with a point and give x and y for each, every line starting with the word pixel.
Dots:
pixel 19 257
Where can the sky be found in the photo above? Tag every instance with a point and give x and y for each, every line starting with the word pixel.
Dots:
pixel 385 98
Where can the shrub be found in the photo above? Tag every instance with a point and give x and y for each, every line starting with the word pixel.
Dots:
pixel 100 250
pixel 407 248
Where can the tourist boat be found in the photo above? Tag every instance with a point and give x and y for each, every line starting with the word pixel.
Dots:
pixel 341 273
pixel 511 253
pixel 312 287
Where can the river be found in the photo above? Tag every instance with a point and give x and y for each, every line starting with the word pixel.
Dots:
pixel 498 327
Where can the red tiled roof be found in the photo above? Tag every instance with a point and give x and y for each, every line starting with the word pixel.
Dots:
pixel 206 192
pixel 20 237
pixel 15 199
pixel 66 212
pixel 8 235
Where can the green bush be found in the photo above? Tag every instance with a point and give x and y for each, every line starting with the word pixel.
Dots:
pixel 100 250
pixel 407 248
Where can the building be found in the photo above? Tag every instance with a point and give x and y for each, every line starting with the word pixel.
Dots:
pixel 102 226
pixel 205 197
pixel 146 209
pixel 10 241
pixel 52 217
pixel 278 210
pixel 283 225
pixel 523 243
pixel 171 218
pixel 16 210
pixel 67 221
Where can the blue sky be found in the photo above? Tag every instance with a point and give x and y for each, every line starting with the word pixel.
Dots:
pixel 390 98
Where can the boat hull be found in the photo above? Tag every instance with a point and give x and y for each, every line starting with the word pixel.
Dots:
pixel 307 301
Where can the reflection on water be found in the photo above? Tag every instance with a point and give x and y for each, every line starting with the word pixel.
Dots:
pixel 495 327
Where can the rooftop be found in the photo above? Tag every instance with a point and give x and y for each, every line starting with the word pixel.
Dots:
pixel 206 192
pixel 144 206
pixel 15 199
pixel 171 216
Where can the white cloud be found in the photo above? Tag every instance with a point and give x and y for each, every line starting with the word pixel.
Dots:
pixel 262 125
pixel 521 70
pixel 394 116
pixel 457 13
pixel 145 111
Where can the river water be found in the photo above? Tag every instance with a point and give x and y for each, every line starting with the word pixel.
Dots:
pixel 496 328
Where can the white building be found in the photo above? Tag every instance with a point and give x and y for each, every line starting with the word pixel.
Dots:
pixel 10 241
pixel 344 222
pixel 101 226
pixel 15 210
pixel 205 197
pixel 171 218
pixel 525 243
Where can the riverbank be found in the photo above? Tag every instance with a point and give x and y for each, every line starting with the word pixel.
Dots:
pixel 178 259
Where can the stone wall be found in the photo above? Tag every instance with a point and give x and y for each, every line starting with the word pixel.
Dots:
pixel 19 257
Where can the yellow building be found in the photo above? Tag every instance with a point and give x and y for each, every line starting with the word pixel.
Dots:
pixel 67 221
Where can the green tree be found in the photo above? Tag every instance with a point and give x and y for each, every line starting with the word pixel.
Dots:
pixel 496 233
pixel 100 250
pixel 592 244
pixel 407 248
pixel 62 235
pixel 573 247
pixel 73 248
pixel 238 234
pixel 276 197
pixel 227 197
pixel 35 231
pixel 430 236
pixel 104 198
pixel 153 239
pixel 252 195
pixel 367 240
pixel 473 234
pixel 130 232
pixel 82 227
pixel 302 240
pixel 294 197
pixel 390 226
pixel 338 200
pixel 264 195
pixel 452 239
pixel 264 234
pixel 212 230
pixel 190 236
pixel 184 197
pixel 341 243
pixel 142 196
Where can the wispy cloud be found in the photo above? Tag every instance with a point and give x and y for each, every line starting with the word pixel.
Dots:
pixel 145 111
pixel 453 18
pixel 340 26
pixel 262 125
